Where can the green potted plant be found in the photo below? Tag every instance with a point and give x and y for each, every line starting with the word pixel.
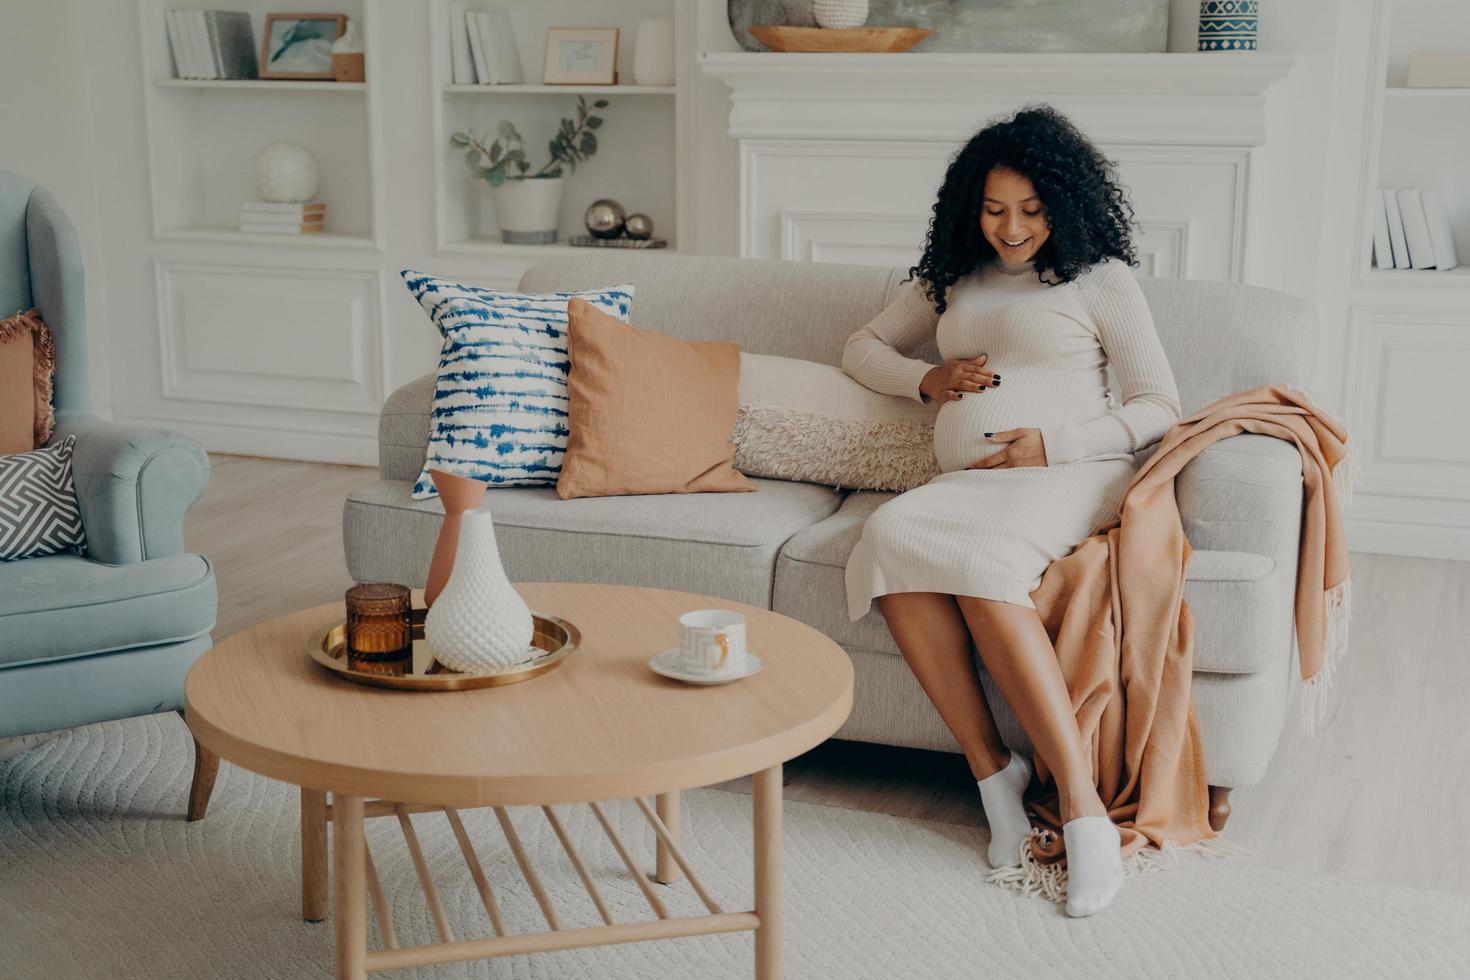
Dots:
pixel 527 204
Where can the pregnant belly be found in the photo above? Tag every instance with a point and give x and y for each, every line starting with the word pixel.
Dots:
pixel 960 426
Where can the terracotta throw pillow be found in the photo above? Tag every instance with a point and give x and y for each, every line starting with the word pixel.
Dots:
pixel 648 413
pixel 27 362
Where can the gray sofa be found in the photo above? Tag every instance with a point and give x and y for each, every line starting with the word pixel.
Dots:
pixel 786 546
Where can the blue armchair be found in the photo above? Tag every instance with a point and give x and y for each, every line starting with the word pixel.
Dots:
pixel 109 634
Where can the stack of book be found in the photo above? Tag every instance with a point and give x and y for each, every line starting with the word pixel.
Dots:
pixel 482 47
pixel 211 43
pixel 269 218
pixel 1412 231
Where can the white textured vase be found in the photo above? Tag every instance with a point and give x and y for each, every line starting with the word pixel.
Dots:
pixel 479 624
pixel 285 171
pixel 653 51
pixel 839 14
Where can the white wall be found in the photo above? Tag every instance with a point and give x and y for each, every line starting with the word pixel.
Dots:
pixel 46 118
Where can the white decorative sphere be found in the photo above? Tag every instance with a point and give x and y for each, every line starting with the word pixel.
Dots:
pixel 840 14
pixel 285 171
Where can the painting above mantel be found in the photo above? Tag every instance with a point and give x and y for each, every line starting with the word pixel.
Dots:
pixel 988 25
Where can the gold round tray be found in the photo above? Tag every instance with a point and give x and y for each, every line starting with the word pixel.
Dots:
pixel 554 640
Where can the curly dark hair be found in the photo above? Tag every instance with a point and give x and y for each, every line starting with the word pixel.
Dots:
pixel 1086 210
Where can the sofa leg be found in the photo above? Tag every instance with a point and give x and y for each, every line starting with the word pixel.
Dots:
pixel 206 768
pixel 1219 807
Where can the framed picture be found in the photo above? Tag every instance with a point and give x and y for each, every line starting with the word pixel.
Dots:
pixel 581 56
pixel 300 45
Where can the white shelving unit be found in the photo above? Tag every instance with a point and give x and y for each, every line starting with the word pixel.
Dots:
pixel 203 135
pixel 638 160
pixel 1418 137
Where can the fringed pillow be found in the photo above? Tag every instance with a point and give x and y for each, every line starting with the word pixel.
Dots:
pixel 800 420
pixel 27 363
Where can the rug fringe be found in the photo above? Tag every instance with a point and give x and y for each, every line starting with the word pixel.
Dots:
pixel 1049 881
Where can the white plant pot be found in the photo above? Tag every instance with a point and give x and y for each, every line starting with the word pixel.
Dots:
pixel 653 51
pixel 527 209
pixel 479 624
pixel 840 14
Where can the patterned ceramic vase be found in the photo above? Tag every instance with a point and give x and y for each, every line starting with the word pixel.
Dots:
pixel 479 624
pixel 839 14
pixel 1227 25
pixel 653 51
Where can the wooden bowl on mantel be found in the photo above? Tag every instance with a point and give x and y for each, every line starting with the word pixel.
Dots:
pixel 779 38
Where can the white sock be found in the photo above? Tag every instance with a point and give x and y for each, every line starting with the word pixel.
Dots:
pixel 1000 794
pixel 1094 864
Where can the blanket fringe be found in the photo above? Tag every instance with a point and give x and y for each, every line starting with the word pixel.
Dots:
pixel 1049 881
pixel 1339 600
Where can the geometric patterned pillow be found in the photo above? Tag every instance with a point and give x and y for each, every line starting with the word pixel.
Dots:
pixel 500 398
pixel 38 503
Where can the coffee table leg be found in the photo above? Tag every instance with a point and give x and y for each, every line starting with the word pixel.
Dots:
pixel 349 887
pixel 313 854
pixel 767 820
pixel 667 807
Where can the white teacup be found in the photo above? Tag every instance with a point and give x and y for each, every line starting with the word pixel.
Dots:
pixel 712 642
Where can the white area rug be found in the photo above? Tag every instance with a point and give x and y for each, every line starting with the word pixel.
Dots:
pixel 100 876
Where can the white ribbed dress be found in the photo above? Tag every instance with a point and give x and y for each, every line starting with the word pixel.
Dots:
pixel 992 532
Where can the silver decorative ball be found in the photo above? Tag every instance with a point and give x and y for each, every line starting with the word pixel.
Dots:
pixel 638 226
pixel 605 218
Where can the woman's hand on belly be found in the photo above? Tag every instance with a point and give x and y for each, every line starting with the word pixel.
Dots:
pixel 1025 449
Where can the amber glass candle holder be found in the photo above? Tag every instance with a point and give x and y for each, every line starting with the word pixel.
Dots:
pixel 379 623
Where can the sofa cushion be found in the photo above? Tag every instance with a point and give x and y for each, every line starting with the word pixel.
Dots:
pixel 501 391
pixel 60 606
pixel 718 544
pixel 1236 597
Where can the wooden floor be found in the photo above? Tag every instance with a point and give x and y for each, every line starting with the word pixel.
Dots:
pixel 1381 793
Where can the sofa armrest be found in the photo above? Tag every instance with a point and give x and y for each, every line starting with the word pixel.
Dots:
pixel 1244 493
pixel 403 429
pixel 133 486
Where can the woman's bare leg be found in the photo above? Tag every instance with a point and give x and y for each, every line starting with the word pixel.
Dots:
pixel 1016 650
pixel 1020 657
pixel 932 635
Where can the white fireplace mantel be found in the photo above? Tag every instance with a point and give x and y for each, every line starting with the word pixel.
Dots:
pixel 1200 97
pixel 840 154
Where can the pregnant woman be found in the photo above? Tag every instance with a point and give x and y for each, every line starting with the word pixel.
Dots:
pixel 1025 285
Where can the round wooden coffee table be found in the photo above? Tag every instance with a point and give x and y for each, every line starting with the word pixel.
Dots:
pixel 600 726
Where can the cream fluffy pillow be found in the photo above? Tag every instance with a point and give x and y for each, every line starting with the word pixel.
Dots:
pixel 800 420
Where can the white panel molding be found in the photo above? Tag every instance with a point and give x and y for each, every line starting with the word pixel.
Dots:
pixel 1163 248
pixel 1374 335
pixel 811 235
pixel 354 379
pixel 1197 97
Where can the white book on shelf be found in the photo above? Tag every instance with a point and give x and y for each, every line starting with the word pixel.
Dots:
pixel 477 48
pixel 1396 229
pixel 199 34
pixel 486 24
pixel 1440 233
pixel 266 218
pixel 462 62
pixel 1416 229
pixel 175 49
pixel 284 207
pixel 1382 250
pixel 258 228
pixel 188 58
pixel 507 60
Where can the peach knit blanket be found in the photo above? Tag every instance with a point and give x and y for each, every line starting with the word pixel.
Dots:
pixel 1124 635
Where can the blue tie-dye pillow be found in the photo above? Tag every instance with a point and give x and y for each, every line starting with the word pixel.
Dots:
pixel 500 400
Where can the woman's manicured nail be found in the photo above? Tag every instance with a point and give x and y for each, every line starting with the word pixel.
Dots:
pixel 996 376
pixel 961 395
pixel 997 382
pixel 989 434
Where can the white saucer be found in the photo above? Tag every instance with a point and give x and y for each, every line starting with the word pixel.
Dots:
pixel 667 664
